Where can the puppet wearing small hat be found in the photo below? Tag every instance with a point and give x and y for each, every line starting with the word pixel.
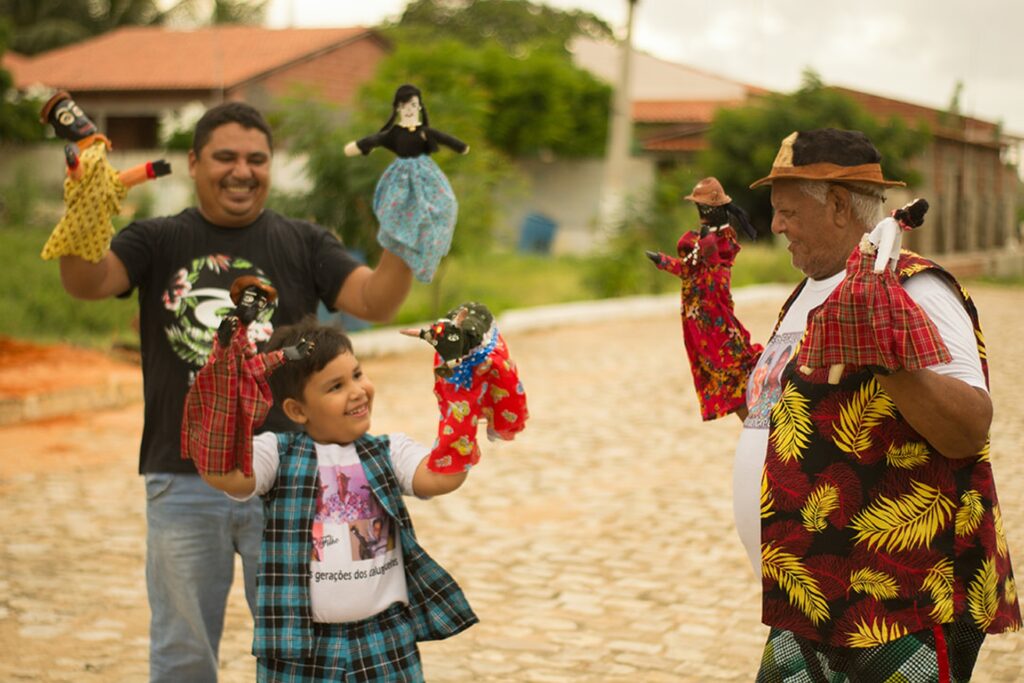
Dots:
pixel 230 397
pixel 93 190
pixel 413 201
pixel 870 320
pixel 474 378
pixel 717 344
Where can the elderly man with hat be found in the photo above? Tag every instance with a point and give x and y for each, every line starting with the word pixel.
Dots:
pixel 868 506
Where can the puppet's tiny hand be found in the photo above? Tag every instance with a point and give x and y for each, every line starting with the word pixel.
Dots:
pixel 161 168
pixel 352 149
pixel 466 151
pixel 657 258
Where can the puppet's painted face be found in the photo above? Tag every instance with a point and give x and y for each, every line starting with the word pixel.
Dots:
pixel 70 122
pixel 409 111
pixel 712 216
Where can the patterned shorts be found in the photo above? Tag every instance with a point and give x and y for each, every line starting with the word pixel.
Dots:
pixel 914 658
pixel 375 650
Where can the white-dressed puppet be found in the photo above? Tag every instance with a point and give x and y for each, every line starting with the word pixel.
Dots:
pixel 414 201
pixel 870 320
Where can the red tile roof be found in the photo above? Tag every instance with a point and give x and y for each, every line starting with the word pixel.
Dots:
pixel 201 59
pixel 678 111
pixel 964 127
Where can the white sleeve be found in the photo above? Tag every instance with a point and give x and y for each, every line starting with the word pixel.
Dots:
pixel 406 456
pixel 946 309
pixel 265 461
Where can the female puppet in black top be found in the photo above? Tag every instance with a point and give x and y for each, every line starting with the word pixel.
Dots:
pixel 414 201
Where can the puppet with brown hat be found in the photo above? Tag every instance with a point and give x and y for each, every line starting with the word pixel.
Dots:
pixel 93 189
pixel 717 344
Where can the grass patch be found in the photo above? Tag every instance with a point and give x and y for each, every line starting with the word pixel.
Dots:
pixel 500 280
pixel 35 306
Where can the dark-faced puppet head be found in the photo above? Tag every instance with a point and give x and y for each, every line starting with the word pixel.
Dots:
pixel 716 208
pixel 67 118
pixel 457 334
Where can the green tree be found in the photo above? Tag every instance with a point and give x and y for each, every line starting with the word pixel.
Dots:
pixel 519 26
pixel 219 12
pixel 743 141
pixel 41 25
pixel 19 115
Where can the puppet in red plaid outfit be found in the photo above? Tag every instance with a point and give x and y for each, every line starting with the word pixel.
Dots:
pixel 230 397
pixel 717 344
pixel 93 190
pixel 474 379
pixel 870 320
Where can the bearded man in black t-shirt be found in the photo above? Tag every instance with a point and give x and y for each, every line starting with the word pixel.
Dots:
pixel 183 267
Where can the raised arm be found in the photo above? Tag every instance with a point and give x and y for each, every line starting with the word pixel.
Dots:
pixel 84 279
pixel 427 483
pixel 952 415
pixel 449 141
pixel 376 294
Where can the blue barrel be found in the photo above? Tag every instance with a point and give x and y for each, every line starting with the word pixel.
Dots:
pixel 537 233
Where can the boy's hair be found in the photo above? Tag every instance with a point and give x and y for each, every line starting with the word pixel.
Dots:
pixel 245 115
pixel 289 380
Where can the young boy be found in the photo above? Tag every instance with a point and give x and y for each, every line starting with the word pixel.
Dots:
pixel 325 611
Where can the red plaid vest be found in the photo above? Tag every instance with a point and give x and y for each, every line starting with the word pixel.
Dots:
pixel 867 533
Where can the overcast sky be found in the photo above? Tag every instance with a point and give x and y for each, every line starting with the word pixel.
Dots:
pixel 914 50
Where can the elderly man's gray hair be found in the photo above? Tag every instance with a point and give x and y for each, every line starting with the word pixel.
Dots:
pixel 866 199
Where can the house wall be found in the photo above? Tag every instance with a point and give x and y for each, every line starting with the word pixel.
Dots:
pixel 336 74
pixel 570 194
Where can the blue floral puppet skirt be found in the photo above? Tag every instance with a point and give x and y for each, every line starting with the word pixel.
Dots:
pixel 417 209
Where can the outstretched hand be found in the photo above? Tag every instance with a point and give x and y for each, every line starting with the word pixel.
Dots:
pixel 656 258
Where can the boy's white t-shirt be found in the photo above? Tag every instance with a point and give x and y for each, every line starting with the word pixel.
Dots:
pixel 356 568
pixel 930 291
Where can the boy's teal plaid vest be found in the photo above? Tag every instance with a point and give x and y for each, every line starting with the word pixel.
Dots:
pixel 867 532
pixel 284 622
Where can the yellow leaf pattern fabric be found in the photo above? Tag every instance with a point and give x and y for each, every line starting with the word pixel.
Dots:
pixel 820 504
pixel 939 584
pixel 982 595
pixel 792 424
pixel 869 406
pixel 968 517
pixel 909 521
pixel 874 634
pixel 801 588
pixel 907 456
pixel 874 583
pixel 766 497
pixel 917 540
pixel 1001 547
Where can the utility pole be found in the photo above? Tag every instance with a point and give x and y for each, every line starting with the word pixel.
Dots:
pixel 620 134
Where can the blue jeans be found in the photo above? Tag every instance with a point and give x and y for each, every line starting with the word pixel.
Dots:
pixel 193 533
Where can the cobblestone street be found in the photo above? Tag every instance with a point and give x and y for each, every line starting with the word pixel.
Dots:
pixel 598 546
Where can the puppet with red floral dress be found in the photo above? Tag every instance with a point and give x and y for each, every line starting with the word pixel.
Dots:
pixel 717 344
pixel 474 379
pixel 870 320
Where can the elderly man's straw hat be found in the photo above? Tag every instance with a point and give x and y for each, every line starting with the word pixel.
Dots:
pixel 830 155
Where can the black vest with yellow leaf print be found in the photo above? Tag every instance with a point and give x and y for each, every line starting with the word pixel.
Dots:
pixel 867 533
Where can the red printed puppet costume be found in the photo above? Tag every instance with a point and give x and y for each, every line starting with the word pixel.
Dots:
pixel 481 382
pixel 717 344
